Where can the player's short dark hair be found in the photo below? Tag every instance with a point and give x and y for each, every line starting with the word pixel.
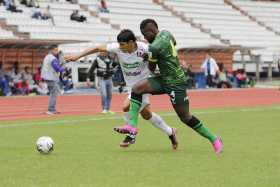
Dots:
pixel 146 21
pixel 126 35
pixel 51 47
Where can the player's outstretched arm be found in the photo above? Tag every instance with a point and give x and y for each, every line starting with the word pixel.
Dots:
pixel 86 52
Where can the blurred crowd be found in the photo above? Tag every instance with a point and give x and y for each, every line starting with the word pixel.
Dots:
pixel 16 82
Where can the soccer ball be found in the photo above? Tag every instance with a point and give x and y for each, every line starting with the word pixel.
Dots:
pixel 45 144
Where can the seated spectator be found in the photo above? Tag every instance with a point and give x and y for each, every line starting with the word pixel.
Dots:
pixel 75 16
pixel 43 15
pixel 37 76
pixel 241 78
pixel 223 81
pixel 37 14
pixel 103 7
pixel 4 83
pixel 30 3
pixel 28 80
pixel 16 80
pixel 10 5
pixel 72 1
pixel 41 88
pixel 190 75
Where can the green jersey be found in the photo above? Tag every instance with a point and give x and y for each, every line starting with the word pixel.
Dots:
pixel 163 53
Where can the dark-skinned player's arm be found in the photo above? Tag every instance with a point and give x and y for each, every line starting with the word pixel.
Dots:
pixel 152 59
pixel 89 51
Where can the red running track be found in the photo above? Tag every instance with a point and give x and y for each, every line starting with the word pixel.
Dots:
pixel 34 107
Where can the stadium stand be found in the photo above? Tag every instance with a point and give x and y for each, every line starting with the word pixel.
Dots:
pixel 127 15
pixel 237 28
pixel 198 25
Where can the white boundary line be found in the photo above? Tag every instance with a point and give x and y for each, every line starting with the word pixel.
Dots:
pixel 73 121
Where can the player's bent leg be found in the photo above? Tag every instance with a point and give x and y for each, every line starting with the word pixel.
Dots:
pixel 160 124
pixel 130 126
pixel 135 105
pixel 194 123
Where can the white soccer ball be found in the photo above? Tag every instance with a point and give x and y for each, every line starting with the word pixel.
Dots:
pixel 45 144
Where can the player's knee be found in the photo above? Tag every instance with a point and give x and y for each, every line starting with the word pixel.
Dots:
pixel 146 114
pixel 136 90
pixel 185 118
pixel 125 108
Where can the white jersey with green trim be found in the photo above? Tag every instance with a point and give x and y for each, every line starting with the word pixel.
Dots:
pixel 133 65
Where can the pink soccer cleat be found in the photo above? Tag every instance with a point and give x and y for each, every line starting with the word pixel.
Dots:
pixel 126 129
pixel 218 145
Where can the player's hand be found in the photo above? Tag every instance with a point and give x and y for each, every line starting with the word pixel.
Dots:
pixel 69 58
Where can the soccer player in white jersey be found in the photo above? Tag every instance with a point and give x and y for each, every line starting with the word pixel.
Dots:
pixel 133 56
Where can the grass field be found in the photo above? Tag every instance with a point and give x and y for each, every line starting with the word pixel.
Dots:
pixel 87 152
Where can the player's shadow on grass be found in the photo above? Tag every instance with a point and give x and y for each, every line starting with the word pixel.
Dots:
pixel 151 151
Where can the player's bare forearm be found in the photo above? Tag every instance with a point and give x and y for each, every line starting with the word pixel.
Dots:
pixel 85 53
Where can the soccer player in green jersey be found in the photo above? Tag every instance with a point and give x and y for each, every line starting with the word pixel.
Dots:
pixel 171 81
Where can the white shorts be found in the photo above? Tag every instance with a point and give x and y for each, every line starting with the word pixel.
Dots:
pixel 145 100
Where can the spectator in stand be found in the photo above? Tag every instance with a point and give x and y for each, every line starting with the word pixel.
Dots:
pixel 211 70
pixel 75 16
pixel 16 79
pixel 223 81
pixel 29 3
pixel 43 15
pixel 72 1
pixel 190 77
pixel 103 7
pixel 241 78
pixel 4 82
pixel 36 13
pixel 28 79
pixel 10 5
pixel 46 14
pixel 41 86
pixel 37 76
pixel 189 74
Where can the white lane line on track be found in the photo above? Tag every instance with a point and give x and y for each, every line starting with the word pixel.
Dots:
pixel 73 121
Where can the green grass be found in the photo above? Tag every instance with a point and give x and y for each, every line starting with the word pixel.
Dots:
pixel 87 152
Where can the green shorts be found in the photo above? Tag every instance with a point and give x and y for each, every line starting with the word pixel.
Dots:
pixel 177 93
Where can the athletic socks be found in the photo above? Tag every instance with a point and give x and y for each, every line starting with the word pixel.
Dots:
pixel 156 121
pixel 135 105
pixel 196 125
pixel 159 123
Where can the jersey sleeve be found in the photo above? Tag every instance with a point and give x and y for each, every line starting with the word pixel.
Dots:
pixel 112 47
pixel 153 54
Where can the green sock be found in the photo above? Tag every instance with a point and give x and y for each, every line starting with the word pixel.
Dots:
pixel 133 112
pixel 205 132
